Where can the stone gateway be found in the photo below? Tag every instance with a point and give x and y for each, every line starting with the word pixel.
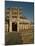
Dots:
pixel 16 21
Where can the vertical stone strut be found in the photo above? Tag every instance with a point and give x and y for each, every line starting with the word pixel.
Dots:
pixel 10 21
pixel 18 21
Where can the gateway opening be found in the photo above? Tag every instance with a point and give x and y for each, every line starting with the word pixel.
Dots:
pixel 14 26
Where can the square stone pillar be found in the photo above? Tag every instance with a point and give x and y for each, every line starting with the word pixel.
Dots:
pixel 10 21
pixel 6 27
pixel 17 26
pixel 18 21
pixel 10 26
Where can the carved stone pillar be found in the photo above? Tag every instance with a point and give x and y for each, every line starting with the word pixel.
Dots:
pixel 10 21
pixel 18 22
pixel 6 27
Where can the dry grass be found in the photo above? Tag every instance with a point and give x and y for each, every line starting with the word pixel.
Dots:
pixel 19 38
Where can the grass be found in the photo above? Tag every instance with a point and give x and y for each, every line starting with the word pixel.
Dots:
pixel 14 38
